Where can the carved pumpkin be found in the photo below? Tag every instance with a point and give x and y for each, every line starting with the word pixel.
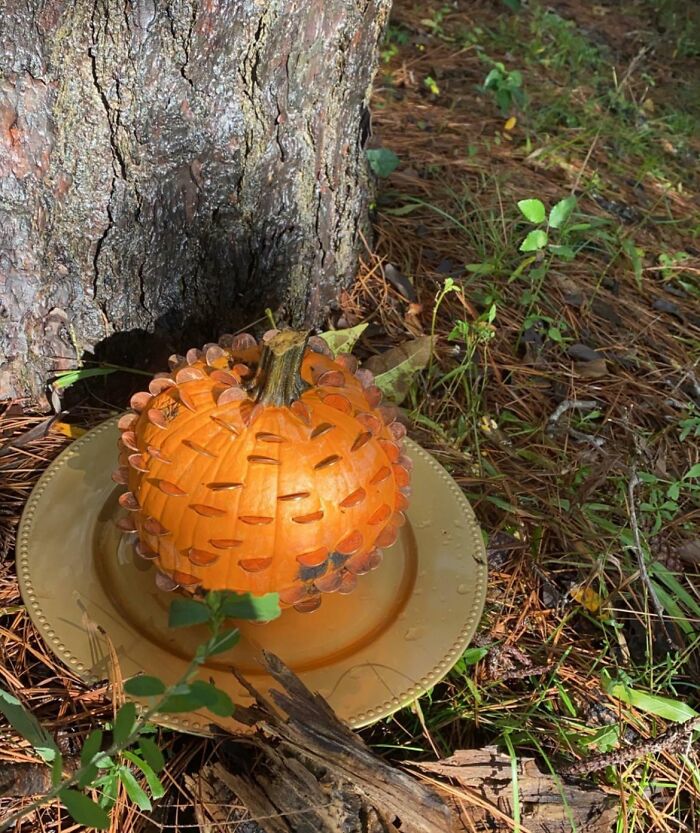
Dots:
pixel 263 468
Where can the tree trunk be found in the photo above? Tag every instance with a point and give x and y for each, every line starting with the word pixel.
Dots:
pixel 170 169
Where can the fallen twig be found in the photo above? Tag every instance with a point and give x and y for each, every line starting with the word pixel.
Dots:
pixel 641 561
pixel 568 405
pixel 671 740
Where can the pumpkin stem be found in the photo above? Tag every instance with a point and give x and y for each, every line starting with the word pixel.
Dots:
pixel 279 380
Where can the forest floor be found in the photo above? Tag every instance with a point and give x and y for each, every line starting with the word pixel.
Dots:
pixel 563 396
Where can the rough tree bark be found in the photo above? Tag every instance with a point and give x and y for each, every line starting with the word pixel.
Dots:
pixel 170 168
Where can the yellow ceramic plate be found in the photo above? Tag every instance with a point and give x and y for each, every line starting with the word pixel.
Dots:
pixel 368 653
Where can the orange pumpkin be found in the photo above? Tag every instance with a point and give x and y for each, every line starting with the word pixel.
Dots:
pixel 263 468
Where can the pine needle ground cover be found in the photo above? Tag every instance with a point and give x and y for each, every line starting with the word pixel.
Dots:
pixel 537 216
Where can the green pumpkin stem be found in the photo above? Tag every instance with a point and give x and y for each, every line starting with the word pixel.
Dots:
pixel 279 381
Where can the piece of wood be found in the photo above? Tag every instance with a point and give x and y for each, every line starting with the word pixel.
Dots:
pixel 303 771
pixel 216 807
pixel 306 772
pixel 547 804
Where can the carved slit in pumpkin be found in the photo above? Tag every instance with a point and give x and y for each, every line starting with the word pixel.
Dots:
pixel 200 449
pixel 254 565
pixel 294 496
pixel 225 543
pixel 207 511
pixel 220 421
pixel 353 499
pixel 321 429
pixel 267 437
pixel 310 518
pixel 328 461
pixel 224 487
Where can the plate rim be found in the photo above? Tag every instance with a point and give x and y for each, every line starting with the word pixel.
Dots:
pixel 367 717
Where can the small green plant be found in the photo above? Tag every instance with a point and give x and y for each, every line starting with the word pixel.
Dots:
pixel 431 85
pixel 672 264
pixel 434 23
pixel 690 425
pixel 663 498
pixel 538 238
pixel 382 161
pixel 395 37
pixel 130 753
pixel 475 333
pixel 557 43
pixel 555 330
pixel 506 86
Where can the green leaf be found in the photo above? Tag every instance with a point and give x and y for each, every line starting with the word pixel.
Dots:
pixel 178 703
pixel 382 161
pixel 535 241
pixel 204 693
pixel 69 377
pixel 402 210
pixel 492 78
pixel 187 612
pixel 486 268
pixel 88 777
pixel 222 642
pixel 84 810
pixel 516 78
pixel 661 572
pixel 217 701
pixel 635 255
pixel 197 695
pixel 57 769
pixel 561 212
pixel 144 686
pixel 105 762
pixel 674 610
pixel 692 472
pixel 665 707
pixel 24 722
pixel 152 754
pixel 253 608
pixel 605 739
pixel 564 252
pixel 124 723
pixel 155 785
pixel 532 210
pixel 133 789
pixel 394 370
pixel 109 786
pixel 342 341
pixel 91 747
pixel 472 655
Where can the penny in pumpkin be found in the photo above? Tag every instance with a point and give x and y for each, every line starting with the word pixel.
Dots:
pixel 261 468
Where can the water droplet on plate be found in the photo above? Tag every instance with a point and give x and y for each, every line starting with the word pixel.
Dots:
pixel 412 634
pixel 462 589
